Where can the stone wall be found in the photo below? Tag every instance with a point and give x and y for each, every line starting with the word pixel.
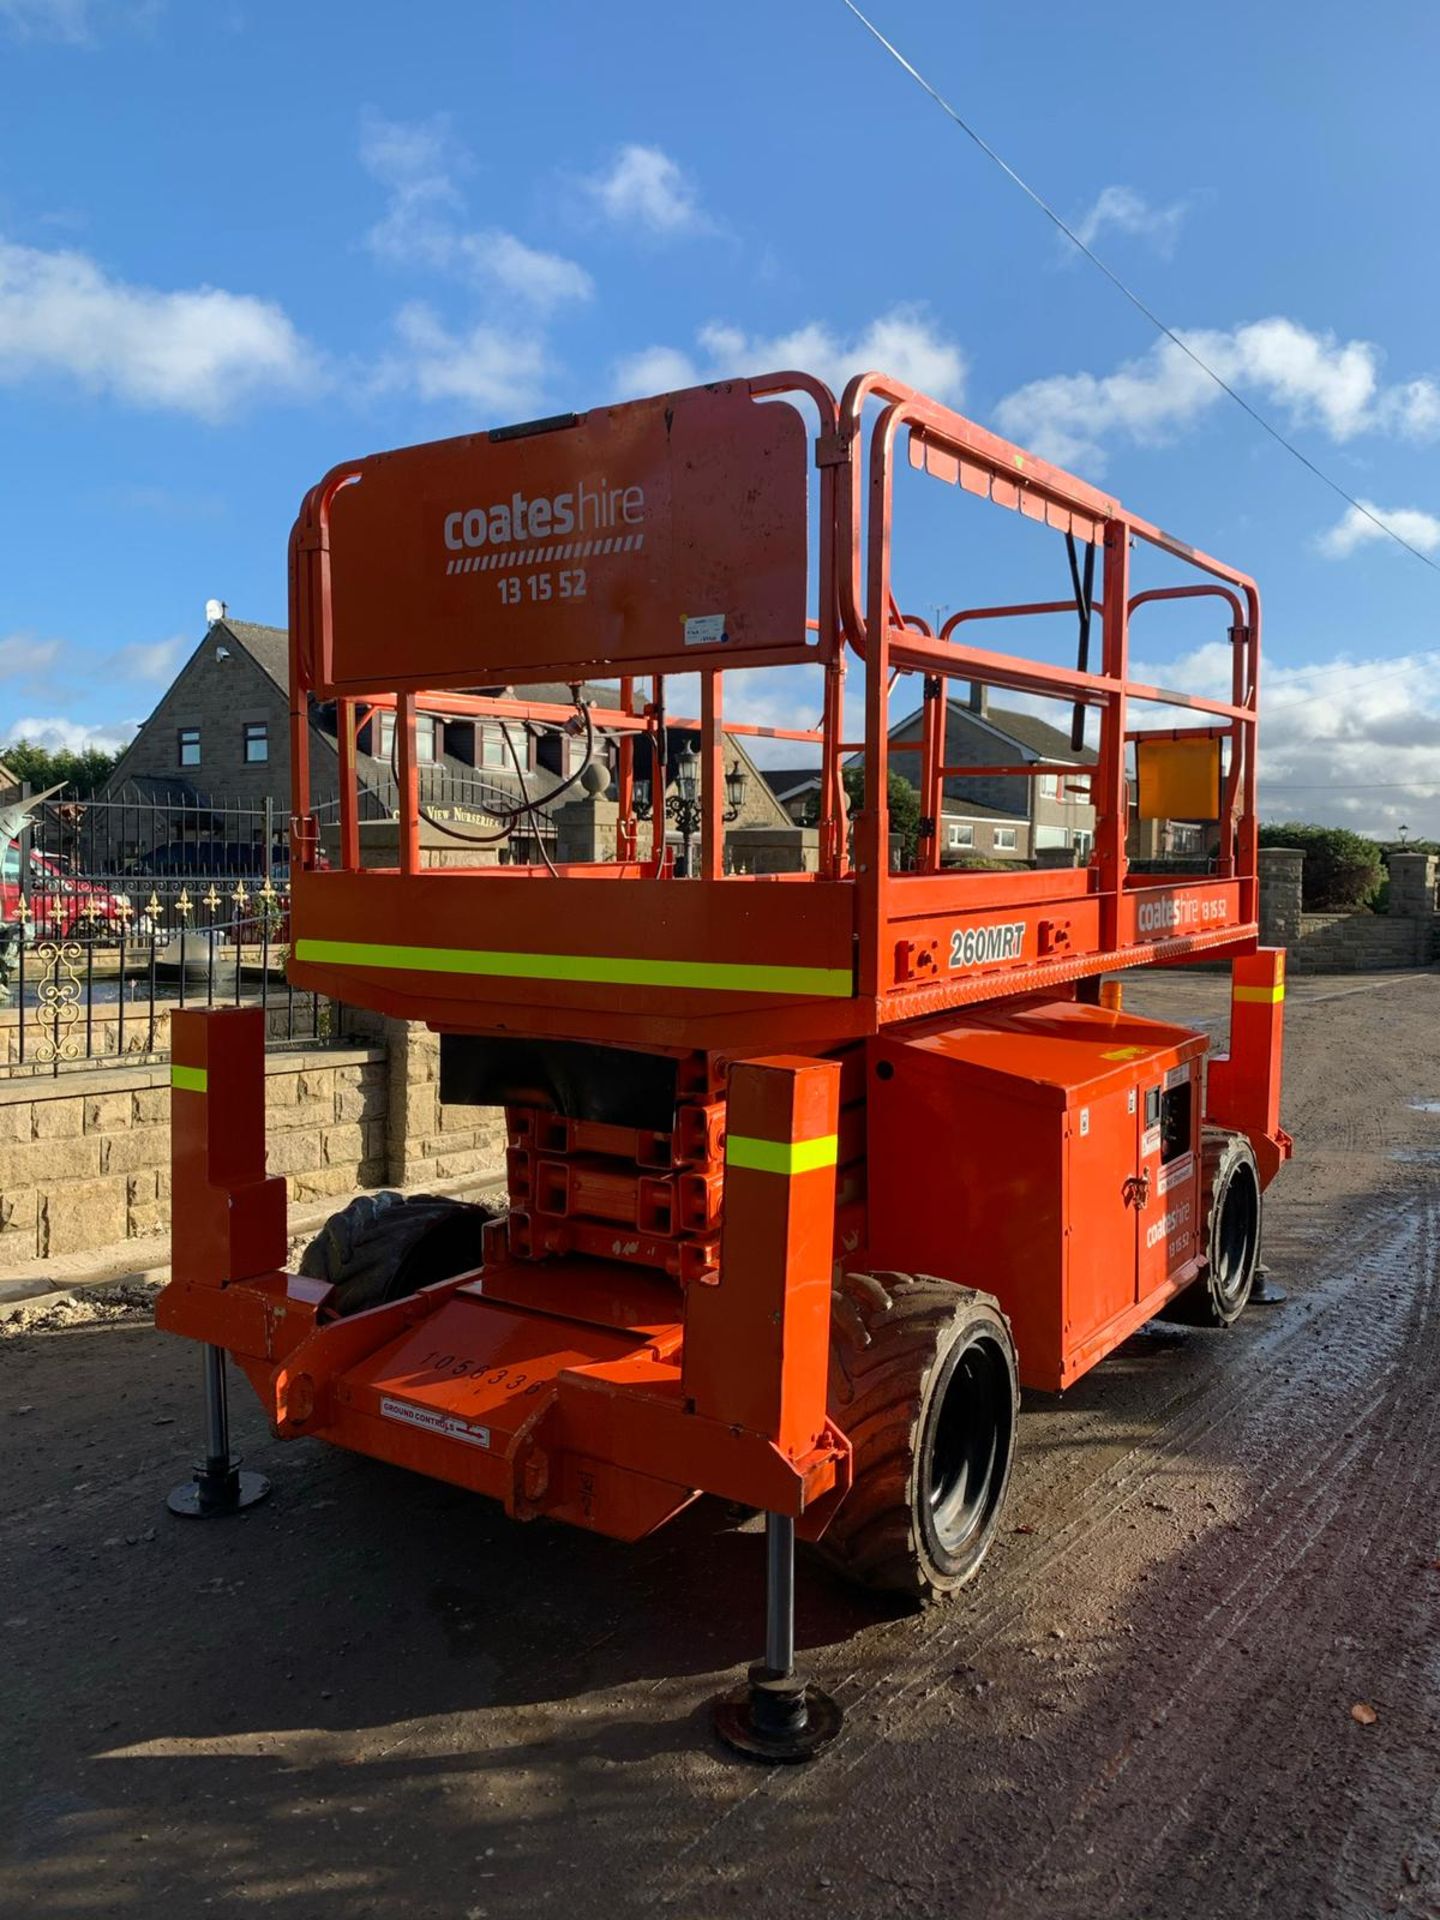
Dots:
pixel 1408 935
pixel 85 1157
pixel 1363 942
pixel 424 1140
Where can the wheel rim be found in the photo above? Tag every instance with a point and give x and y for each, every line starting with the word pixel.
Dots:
pixel 1237 1234
pixel 969 1452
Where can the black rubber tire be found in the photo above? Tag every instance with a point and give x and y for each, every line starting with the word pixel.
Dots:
pixel 386 1245
pixel 1230 1207
pixel 923 1383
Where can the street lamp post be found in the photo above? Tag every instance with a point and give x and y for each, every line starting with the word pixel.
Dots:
pixel 683 805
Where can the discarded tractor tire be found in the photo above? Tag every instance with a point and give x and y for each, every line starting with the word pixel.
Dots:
pixel 923 1383
pixel 386 1245
pixel 1230 1210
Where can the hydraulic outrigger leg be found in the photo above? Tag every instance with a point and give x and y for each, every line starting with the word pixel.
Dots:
pixel 218 1486
pixel 779 1715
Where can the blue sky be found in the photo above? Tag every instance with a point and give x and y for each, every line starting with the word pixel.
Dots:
pixel 241 241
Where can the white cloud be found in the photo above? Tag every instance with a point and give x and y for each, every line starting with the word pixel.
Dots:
pixel 1312 378
pixel 1354 529
pixel 1123 210
pixel 73 21
pixel 903 342
pixel 201 351
pixel 48 19
pixel 424 220
pixel 24 656
pixel 502 371
pixel 152 659
pixel 644 187
pixel 1348 742
pixel 57 734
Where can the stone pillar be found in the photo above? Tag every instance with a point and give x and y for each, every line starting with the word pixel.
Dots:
pixel 585 830
pixel 1412 884
pixel 1280 873
pixel 414 1099
pixel 773 849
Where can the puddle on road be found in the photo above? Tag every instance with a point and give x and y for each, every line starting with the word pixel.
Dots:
pixel 1425 1106
pixel 1417 1156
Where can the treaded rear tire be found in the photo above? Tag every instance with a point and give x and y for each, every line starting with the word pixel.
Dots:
pixel 923 1383
pixel 1230 1205
pixel 386 1245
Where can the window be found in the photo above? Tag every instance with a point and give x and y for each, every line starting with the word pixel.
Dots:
pixel 1083 843
pixel 493 751
pixel 961 836
pixel 1049 786
pixel 257 743
pixel 1004 839
pixel 427 738
pixel 189 746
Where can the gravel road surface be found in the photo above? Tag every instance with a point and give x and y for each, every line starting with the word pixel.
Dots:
pixel 374 1697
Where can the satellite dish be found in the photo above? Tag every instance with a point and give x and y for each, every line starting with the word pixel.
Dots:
pixel 214 610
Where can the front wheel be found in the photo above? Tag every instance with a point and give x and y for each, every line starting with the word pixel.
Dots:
pixel 924 1385
pixel 1230 1207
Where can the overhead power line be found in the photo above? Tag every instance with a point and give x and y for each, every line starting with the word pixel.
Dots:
pixel 1130 294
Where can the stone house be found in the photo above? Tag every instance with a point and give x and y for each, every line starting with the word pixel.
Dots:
pixel 1042 809
pixel 216 749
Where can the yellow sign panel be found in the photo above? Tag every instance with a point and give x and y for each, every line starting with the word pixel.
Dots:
pixel 1178 779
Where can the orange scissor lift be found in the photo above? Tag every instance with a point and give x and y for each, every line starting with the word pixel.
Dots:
pixel 808 1173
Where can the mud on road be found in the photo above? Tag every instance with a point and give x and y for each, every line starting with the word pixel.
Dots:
pixel 374 1697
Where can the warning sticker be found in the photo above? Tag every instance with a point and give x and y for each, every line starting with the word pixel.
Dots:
pixel 432 1420
pixel 1176 1174
pixel 705 629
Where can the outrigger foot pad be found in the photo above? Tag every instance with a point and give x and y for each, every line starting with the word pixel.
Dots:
pixel 778 1718
pixel 1264 1291
pixel 217 1489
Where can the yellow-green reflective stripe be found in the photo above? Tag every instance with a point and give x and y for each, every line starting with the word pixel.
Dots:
pixel 192 1079
pixel 712 976
pixel 1263 996
pixel 781 1156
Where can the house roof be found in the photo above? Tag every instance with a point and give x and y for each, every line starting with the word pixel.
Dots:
pixel 784 782
pixel 952 809
pixel 1037 736
pixel 269 647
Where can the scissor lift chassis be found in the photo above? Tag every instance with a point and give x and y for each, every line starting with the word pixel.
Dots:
pixel 858 1070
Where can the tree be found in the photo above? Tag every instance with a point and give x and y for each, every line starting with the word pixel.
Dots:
pixel 83 773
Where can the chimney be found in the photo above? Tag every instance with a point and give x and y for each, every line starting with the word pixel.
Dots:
pixel 979 699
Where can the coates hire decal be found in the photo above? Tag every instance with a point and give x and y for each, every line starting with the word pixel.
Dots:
pixel 594 508
pixel 1180 913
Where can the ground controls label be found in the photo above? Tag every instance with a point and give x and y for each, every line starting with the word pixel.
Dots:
pixel 974 946
pixel 705 629
pixel 431 1420
pixel 1176 1174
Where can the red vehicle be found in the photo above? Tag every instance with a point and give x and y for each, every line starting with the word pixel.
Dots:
pixel 809 1173
pixel 59 905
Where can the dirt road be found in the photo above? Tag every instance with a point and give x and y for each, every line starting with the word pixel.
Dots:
pixel 374 1697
